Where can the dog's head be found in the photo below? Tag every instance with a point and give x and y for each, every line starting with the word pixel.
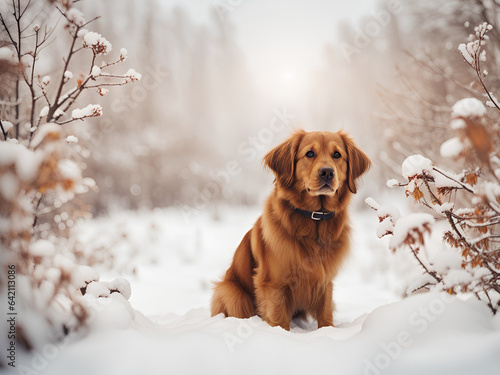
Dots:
pixel 319 163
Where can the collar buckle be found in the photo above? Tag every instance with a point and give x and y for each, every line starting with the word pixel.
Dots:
pixel 317 215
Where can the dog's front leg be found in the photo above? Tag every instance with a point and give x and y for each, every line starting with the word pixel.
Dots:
pixel 324 308
pixel 274 306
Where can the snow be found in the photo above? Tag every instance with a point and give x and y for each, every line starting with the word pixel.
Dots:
pixel 446 259
pixel 482 56
pixel 386 226
pixel 123 54
pixel 415 165
pixel 91 38
pixel 42 248
pixel 26 162
pixel 457 277
pixel 58 113
pixel 492 191
pixel 102 91
pixel 170 264
pixel 45 80
pixel 96 71
pixel 427 333
pixel 409 226
pixel 457 124
pixel 9 186
pixel 494 102
pixel 69 169
pixel 7 125
pixel 82 32
pixel 8 54
pixel 372 203
pixel 106 288
pixel 44 112
pixel 392 183
pixel 75 17
pixel 83 275
pixel 451 148
pixel 420 282
pixel 68 75
pixel 440 180
pixel 50 130
pixel 468 107
pixel 466 51
pixel 446 206
pixel 133 75
pixel 97 42
pixel 92 110
pixel 71 139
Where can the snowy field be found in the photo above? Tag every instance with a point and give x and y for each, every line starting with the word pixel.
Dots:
pixel 171 263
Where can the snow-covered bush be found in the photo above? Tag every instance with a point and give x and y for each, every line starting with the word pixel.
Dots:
pixel 464 205
pixel 40 167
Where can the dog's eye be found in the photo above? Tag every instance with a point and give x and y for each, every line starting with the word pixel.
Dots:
pixel 336 155
pixel 310 154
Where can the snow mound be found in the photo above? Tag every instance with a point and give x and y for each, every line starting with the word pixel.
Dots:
pixel 451 148
pixel 468 107
pixel 415 165
pixel 432 333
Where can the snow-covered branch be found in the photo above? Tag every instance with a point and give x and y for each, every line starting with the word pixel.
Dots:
pixel 467 201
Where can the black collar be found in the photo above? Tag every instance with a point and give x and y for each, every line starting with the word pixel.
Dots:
pixel 316 215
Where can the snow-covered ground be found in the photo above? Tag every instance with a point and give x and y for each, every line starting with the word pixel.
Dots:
pixel 171 263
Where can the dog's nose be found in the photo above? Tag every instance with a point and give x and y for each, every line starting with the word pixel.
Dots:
pixel 326 174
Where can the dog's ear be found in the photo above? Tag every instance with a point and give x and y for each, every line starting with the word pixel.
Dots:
pixel 357 162
pixel 281 159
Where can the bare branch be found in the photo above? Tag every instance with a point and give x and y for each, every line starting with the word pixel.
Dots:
pixel 3 130
pixel 431 273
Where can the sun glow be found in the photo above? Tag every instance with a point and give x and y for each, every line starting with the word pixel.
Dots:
pixel 288 76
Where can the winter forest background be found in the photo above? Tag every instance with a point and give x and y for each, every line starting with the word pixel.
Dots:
pixel 129 175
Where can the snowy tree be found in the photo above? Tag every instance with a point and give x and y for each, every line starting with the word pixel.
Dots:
pixel 41 171
pixel 468 202
pixel 427 78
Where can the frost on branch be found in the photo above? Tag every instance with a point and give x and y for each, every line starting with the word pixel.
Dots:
pixel 471 51
pixel 132 75
pixel 97 43
pixel 92 110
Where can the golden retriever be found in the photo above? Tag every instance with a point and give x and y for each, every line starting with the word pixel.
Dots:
pixel 285 264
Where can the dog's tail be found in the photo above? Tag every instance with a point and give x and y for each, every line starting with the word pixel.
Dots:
pixel 233 296
pixel 232 300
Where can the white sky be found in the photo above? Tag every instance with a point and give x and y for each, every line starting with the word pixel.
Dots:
pixel 282 40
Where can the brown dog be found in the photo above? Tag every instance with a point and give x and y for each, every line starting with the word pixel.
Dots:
pixel 285 264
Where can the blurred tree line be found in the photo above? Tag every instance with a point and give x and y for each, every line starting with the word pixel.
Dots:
pixel 158 143
pixel 161 142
